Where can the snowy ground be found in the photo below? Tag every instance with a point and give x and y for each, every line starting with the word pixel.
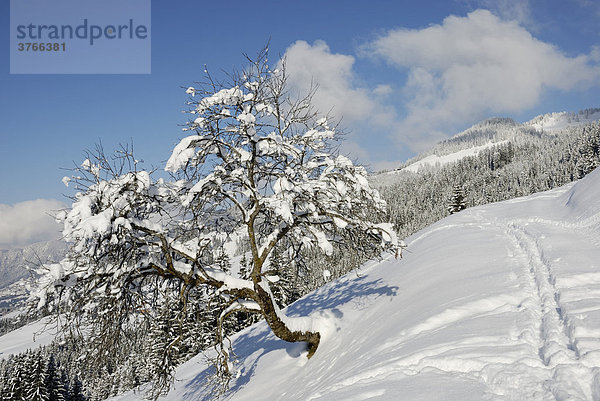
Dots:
pixel 32 336
pixel 561 120
pixel 438 161
pixel 500 302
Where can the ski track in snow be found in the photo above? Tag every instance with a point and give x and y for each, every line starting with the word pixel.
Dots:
pixel 556 346
pixel 544 360
pixel 571 378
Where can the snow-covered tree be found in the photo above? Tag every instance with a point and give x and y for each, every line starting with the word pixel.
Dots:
pixel 457 200
pixel 76 390
pixel 37 387
pixel 163 345
pixel 53 381
pixel 17 375
pixel 589 149
pixel 258 168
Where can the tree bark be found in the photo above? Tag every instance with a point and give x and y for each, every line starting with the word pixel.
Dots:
pixel 279 328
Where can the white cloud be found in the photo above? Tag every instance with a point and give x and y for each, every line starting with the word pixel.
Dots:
pixel 510 10
pixel 383 90
pixel 27 222
pixel 365 116
pixel 315 64
pixel 337 88
pixel 471 67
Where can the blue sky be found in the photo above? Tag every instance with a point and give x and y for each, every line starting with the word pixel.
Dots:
pixel 402 74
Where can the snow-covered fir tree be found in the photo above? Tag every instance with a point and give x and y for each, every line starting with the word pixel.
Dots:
pixel 163 344
pixel 33 375
pixel 589 149
pixel 76 390
pixel 54 380
pixel 457 200
pixel 36 389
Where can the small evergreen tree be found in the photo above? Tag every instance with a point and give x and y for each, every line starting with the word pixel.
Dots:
pixel 5 375
pixel 20 376
pixel 244 267
pixel 457 200
pixel 76 390
pixel 281 285
pixel 53 381
pixel 37 390
pixel 64 380
pixel 163 348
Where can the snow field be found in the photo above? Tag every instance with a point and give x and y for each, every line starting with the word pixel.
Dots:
pixel 434 160
pixel 31 336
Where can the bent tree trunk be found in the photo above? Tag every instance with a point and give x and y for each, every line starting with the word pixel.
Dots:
pixel 279 327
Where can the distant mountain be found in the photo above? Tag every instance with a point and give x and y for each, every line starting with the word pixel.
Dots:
pixel 14 262
pixel 497 159
pixel 558 121
pixel 495 131
pixel 13 296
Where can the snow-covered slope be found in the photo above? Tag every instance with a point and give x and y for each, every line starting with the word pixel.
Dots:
pixel 561 120
pixel 434 160
pixel 31 336
pixel 500 302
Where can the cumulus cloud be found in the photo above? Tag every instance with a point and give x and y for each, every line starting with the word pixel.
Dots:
pixel 28 222
pixel 338 91
pixel 363 111
pixel 470 67
pixel 383 90
pixel 510 10
pixel 308 65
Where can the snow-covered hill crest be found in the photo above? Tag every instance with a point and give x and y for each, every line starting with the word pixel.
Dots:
pixel 493 132
pixel 495 302
pixel 561 120
pixel 434 160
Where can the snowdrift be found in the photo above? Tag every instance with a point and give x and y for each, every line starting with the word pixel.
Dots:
pixel 500 302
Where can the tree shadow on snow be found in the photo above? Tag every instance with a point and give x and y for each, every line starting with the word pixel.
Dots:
pixel 258 340
pixel 346 290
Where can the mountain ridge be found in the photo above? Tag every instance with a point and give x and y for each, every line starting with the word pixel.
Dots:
pixel 14 262
pixel 498 129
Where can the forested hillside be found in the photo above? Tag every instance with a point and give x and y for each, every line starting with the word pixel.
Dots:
pixel 520 160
